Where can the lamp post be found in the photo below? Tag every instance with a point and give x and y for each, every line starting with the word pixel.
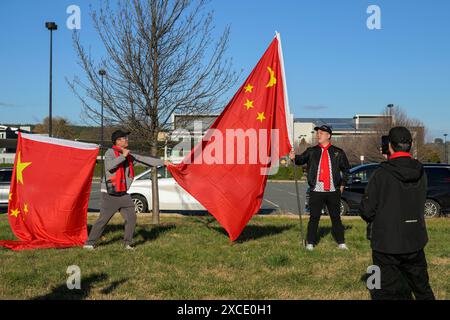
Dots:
pixel 52 27
pixel 390 107
pixel 445 148
pixel 102 73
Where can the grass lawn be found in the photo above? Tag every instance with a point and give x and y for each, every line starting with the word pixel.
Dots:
pixel 191 258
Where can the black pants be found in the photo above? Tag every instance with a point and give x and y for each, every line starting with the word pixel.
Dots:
pixel 401 275
pixel 317 200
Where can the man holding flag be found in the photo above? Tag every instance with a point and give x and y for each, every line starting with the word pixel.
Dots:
pixel 118 176
pixel 328 172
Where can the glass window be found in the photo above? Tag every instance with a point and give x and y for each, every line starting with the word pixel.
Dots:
pixel 161 173
pixel 164 173
pixel 437 176
pixel 5 176
pixel 146 176
pixel 364 174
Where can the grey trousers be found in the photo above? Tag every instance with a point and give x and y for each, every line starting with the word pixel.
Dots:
pixel 109 206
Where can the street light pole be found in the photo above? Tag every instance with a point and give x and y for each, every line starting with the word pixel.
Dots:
pixel 102 73
pixel 390 106
pixel 445 148
pixel 50 26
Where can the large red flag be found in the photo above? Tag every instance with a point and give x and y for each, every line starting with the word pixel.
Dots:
pixel 221 171
pixel 49 192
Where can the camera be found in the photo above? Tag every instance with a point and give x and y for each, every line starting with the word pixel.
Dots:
pixel 385 145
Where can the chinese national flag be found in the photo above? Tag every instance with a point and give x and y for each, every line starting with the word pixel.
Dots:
pixel 49 193
pixel 232 191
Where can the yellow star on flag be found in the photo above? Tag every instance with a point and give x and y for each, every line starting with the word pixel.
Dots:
pixel 10 197
pixel 249 88
pixel 249 104
pixel 25 208
pixel 15 213
pixel 261 117
pixel 20 167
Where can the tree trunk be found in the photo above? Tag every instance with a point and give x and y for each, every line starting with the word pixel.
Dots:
pixel 155 193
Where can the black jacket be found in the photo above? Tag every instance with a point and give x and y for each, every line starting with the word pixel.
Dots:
pixel 393 205
pixel 339 164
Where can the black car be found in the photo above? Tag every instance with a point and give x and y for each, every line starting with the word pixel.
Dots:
pixel 438 194
pixel 5 181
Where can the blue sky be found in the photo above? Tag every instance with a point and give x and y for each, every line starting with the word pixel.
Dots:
pixel 335 66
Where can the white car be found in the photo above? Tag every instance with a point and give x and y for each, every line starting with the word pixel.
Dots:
pixel 171 195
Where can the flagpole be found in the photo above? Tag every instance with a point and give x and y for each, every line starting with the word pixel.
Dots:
pixel 290 127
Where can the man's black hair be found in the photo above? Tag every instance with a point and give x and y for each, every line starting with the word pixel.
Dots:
pixel 400 139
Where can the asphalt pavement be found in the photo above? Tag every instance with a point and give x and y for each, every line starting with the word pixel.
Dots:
pixel 279 197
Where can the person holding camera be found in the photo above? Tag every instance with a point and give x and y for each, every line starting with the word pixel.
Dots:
pixel 328 172
pixel 118 176
pixel 393 205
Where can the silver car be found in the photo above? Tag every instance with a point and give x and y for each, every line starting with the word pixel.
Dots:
pixel 5 181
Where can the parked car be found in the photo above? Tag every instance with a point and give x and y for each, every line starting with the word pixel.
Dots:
pixel 171 195
pixel 5 182
pixel 438 193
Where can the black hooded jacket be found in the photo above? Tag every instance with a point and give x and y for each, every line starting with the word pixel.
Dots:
pixel 394 204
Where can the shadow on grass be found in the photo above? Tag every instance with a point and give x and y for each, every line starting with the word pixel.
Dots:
pixel 325 231
pixel 253 232
pixel 113 286
pixel 147 234
pixel 154 233
pixel 63 293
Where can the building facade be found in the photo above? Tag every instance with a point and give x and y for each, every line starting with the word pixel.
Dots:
pixel 7 146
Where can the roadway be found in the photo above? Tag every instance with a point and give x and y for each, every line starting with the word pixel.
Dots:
pixel 279 197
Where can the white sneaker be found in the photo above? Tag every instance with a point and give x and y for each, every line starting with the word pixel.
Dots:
pixel 128 247
pixel 309 247
pixel 88 247
pixel 343 246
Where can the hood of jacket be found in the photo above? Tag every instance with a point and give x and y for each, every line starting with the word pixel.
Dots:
pixel 405 169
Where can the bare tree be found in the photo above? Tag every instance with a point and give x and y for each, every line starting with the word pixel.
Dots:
pixel 161 58
pixel 369 144
pixel 62 128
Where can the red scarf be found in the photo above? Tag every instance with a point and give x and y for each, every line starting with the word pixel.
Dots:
pixel 119 180
pixel 400 154
pixel 324 175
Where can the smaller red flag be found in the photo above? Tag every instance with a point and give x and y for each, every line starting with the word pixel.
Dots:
pixel 49 193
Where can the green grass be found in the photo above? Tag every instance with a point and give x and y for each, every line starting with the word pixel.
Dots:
pixel 287 174
pixel 191 258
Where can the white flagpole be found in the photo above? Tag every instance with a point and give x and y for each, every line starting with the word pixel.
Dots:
pixel 289 116
pixel 290 128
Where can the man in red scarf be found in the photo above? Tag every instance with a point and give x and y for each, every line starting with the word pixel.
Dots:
pixel 118 176
pixel 393 206
pixel 328 172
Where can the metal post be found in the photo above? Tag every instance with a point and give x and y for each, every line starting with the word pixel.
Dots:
pixel 299 206
pixel 51 26
pixel 50 128
pixel 102 73
pixel 445 148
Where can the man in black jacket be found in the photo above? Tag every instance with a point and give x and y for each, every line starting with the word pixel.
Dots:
pixel 393 205
pixel 328 171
